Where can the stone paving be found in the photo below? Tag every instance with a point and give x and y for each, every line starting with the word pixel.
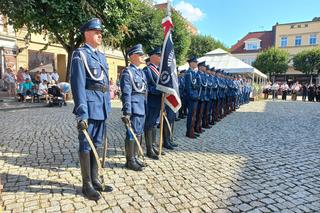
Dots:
pixel 262 158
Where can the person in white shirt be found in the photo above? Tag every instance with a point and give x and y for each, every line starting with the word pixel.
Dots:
pixel 43 75
pixel 43 90
pixel 275 88
pixel 26 75
pixel 50 78
pixel 266 90
pixel 55 75
pixel 295 88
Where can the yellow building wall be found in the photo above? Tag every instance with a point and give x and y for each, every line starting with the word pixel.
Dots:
pixel 114 58
pixel 37 43
pixel 291 30
pixel 113 63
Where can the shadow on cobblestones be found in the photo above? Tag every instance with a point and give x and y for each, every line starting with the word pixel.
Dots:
pixel 262 158
pixel 18 183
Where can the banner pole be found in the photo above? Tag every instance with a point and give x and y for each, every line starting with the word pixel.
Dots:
pixel 161 125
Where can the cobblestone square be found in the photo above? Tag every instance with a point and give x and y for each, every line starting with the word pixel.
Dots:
pixel 262 158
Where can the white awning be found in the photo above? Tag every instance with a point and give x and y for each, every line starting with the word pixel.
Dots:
pixel 221 59
pixel 47 67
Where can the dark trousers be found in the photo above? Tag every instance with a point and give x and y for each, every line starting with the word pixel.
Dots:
pixel 192 109
pixel 96 129
pixel 200 108
pixel 284 95
pixel 205 114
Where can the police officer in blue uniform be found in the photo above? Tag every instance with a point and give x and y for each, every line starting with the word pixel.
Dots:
pixel 183 109
pixel 221 87
pixel 207 99
pixel 229 93
pixel 192 86
pixel 133 85
pixel 214 94
pixel 154 102
pixel 90 89
pixel 202 93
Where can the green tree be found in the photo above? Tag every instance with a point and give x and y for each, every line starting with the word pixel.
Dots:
pixel 201 44
pixel 60 20
pixel 145 27
pixel 308 61
pixel 272 61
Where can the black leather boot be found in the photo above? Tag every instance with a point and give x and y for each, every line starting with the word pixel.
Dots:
pixel 87 187
pixel 136 152
pixel 131 161
pixel 154 142
pixel 148 138
pixel 172 143
pixel 96 182
pixel 166 138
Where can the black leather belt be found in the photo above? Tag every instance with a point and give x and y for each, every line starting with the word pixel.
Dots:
pixel 97 87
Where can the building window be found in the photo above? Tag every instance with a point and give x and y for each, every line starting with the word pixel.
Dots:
pixel 252 46
pixel 297 41
pixel 313 39
pixel 284 42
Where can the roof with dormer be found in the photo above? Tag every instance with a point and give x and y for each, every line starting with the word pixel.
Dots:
pixel 266 37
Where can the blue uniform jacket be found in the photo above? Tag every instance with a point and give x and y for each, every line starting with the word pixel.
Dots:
pixel 154 96
pixel 214 92
pixel 204 83
pixel 229 87
pixel 192 85
pixel 133 85
pixel 181 87
pixel 89 104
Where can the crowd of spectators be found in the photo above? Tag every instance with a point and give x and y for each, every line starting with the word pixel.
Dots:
pixel 308 91
pixel 34 87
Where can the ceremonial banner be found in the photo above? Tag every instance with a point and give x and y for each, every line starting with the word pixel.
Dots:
pixel 168 81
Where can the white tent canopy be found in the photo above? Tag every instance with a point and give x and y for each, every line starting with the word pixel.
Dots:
pixel 47 67
pixel 220 59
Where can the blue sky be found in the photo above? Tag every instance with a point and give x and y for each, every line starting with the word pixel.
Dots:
pixel 230 20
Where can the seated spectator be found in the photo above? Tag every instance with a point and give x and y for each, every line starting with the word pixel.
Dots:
pixel 27 89
pixel 43 90
pixel 26 75
pixel 55 75
pixel 43 76
pixel 37 77
pixel 20 78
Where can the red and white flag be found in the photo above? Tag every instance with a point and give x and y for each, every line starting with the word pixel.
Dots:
pixel 168 80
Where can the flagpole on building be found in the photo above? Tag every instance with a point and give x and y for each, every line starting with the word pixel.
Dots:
pixel 162 99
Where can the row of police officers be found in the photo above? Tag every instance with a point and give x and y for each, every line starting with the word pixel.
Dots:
pixel 207 95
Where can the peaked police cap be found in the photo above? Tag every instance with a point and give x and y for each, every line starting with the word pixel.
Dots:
pixel 136 49
pixel 92 24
